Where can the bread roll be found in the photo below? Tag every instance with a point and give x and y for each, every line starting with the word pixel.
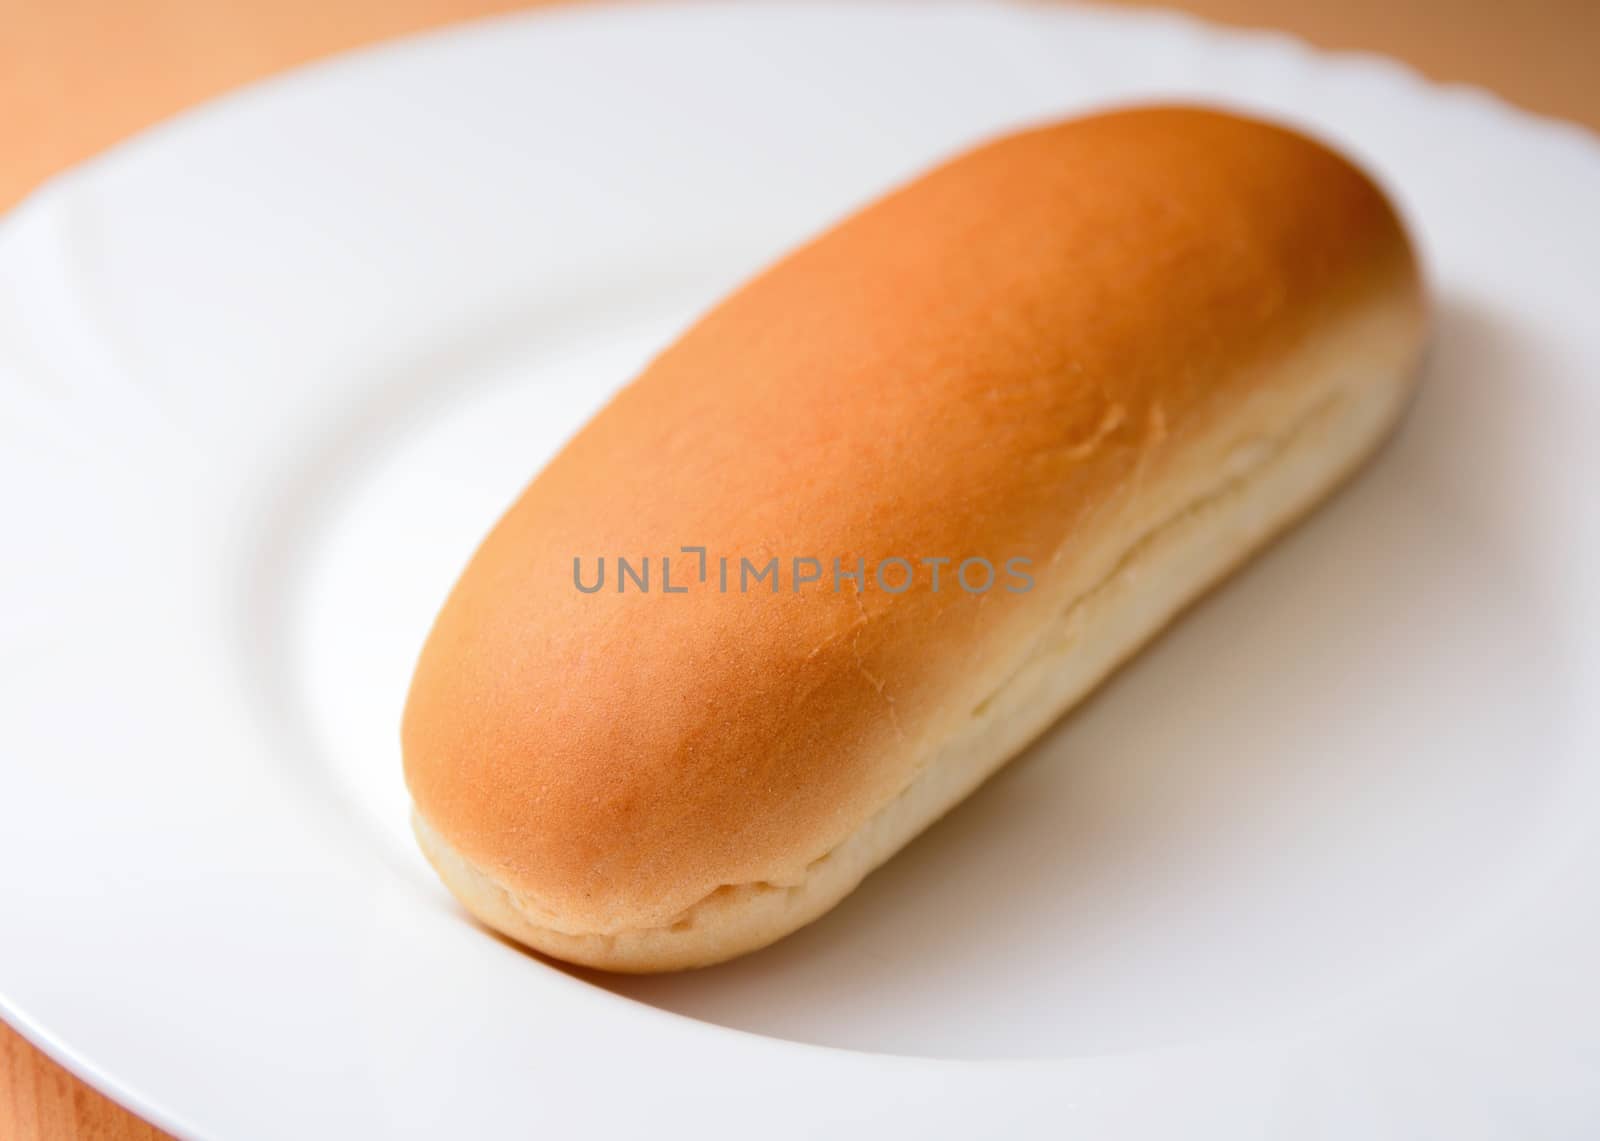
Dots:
pixel 1114 355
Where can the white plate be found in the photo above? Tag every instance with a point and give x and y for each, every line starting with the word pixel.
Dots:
pixel 1323 863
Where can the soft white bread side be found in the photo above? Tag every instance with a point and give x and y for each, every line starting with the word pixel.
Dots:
pixel 1240 333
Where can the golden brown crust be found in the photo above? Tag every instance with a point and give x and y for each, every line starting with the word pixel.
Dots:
pixel 1002 359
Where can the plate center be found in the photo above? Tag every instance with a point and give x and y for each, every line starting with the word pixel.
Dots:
pixel 1282 803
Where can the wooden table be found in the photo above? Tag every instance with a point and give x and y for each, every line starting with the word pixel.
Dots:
pixel 77 75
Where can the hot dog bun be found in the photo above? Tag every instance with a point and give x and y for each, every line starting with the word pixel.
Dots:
pixel 1126 349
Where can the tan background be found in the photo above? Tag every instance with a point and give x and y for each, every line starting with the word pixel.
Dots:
pixel 78 75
